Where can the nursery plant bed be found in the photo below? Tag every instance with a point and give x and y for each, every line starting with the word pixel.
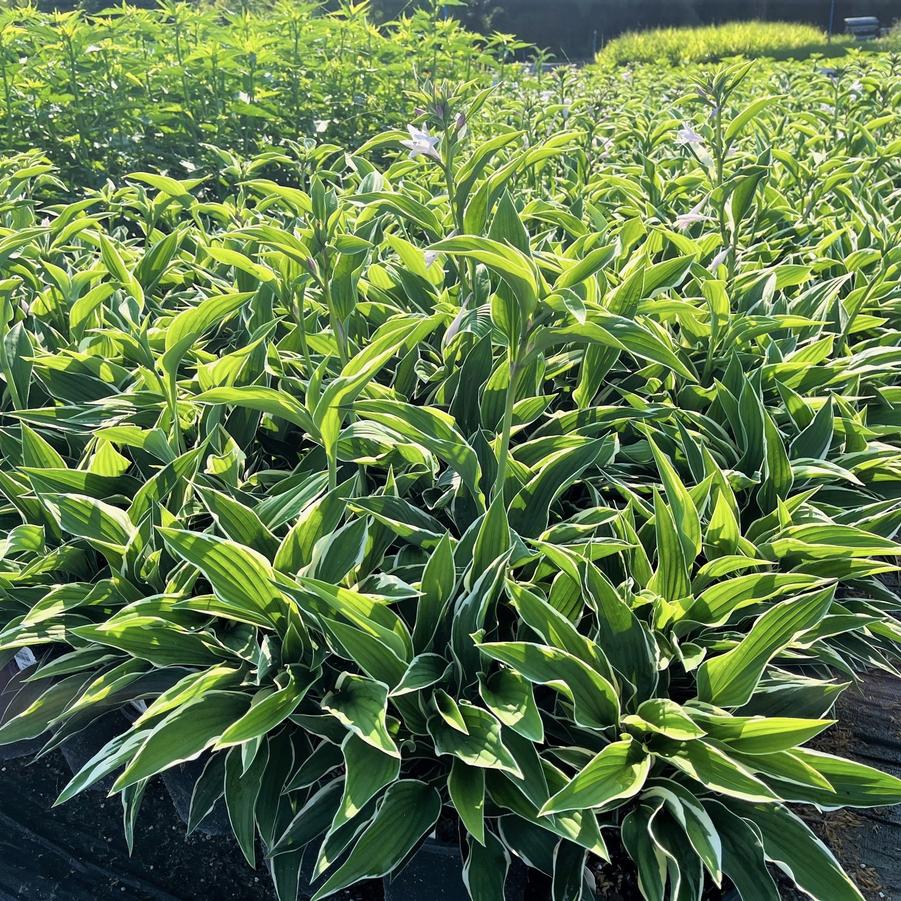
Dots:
pixel 523 472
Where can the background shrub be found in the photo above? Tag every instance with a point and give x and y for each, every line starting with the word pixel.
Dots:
pixel 716 42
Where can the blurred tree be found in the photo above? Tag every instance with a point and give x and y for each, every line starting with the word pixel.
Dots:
pixel 575 28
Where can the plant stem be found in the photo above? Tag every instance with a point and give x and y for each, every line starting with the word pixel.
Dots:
pixel 177 439
pixel 503 450
pixel 302 326
pixel 332 472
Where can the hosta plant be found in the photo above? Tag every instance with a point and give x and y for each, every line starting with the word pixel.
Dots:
pixel 542 485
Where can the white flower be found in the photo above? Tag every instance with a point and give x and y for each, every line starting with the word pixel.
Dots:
pixel 430 256
pixel 718 261
pixel 691 217
pixel 687 135
pixel 321 125
pixel 421 143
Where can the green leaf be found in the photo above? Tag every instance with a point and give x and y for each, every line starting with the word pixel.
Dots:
pixel 373 655
pixel 485 869
pixel 408 811
pixel 510 698
pixel 583 269
pixel 794 848
pixel 107 760
pixel 819 542
pixel 184 330
pixel 510 264
pixel 697 825
pixel 665 717
pixel 208 789
pixel 683 509
pixel 239 261
pixel 493 538
pixel 360 704
pixel 640 341
pixel 743 854
pixel 729 680
pixel 362 611
pixel 596 704
pixel 853 784
pixel 759 734
pixel 616 773
pixel 313 818
pixel 356 374
pixel 263 400
pixel 649 858
pixel 157 640
pixel 480 746
pixel 555 629
pixel 86 517
pixel 747 115
pixel 717 603
pixel 242 787
pixel 423 671
pixel 242 578
pixel 116 267
pixel 184 734
pixel 265 714
pixel 437 587
pixel 238 522
pixel 671 577
pixel 466 787
pixel 432 429
pixel 38 453
pixel 367 771
pixel 402 518
pixel 715 770
pixel 530 508
pixel 43 710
